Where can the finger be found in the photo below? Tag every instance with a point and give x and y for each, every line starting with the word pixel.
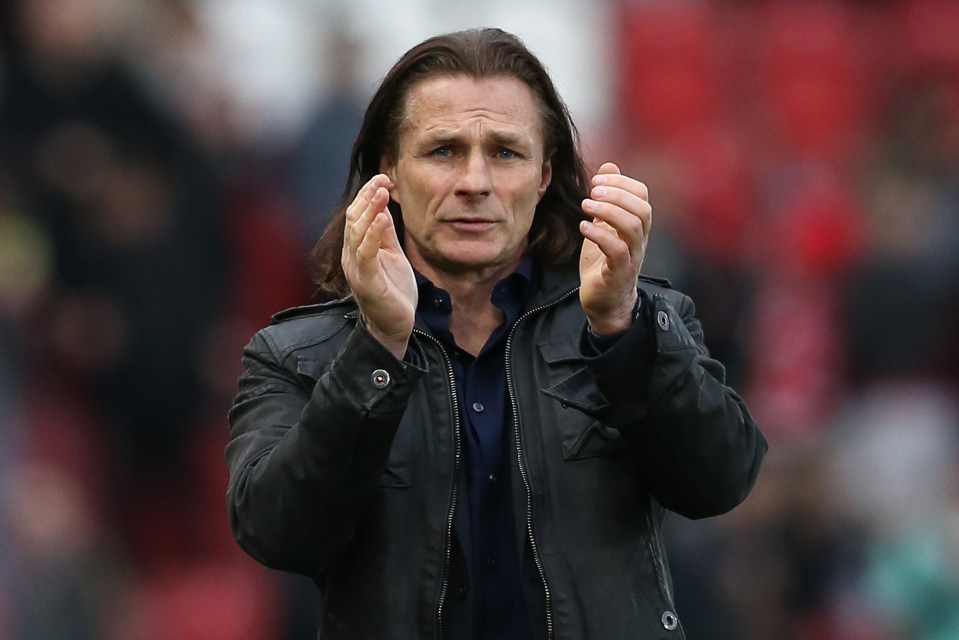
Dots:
pixel 625 199
pixel 608 168
pixel 632 240
pixel 366 251
pixel 361 224
pixel 628 215
pixel 362 199
pixel 625 183
pixel 359 204
pixel 390 239
pixel 616 250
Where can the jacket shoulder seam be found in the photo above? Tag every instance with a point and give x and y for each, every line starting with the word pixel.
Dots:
pixel 662 282
pixel 283 349
pixel 306 311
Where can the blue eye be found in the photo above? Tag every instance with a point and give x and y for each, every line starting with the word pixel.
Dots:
pixel 442 152
pixel 506 154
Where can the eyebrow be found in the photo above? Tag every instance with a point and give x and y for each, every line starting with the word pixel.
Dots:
pixel 504 139
pixel 452 136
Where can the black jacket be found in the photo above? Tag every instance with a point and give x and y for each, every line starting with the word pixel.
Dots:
pixel 343 465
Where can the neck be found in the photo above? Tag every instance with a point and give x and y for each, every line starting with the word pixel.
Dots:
pixel 474 316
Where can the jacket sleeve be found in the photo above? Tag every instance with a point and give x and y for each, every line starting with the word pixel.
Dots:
pixel 698 447
pixel 304 462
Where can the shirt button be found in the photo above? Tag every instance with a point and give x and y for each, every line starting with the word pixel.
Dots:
pixel 492 478
pixel 478 407
pixel 380 378
pixel 491 562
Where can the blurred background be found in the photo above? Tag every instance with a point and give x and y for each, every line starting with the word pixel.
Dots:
pixel 166 166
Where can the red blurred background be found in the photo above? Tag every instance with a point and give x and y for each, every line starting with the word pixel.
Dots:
pixel 803 160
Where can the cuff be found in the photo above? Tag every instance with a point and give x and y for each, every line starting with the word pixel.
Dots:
pixel 370 374
pixel 622 364
pixel 596 344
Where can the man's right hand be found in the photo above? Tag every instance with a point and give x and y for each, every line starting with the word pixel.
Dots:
pixel 378 271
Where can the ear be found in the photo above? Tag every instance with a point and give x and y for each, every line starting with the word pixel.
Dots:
pixel 388 167
pixel 545 178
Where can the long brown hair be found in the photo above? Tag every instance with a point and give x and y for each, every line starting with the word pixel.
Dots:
pixel 477 53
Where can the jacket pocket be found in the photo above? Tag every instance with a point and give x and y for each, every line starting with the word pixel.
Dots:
pixel 592 440
pixel 582 436
pixel 562 349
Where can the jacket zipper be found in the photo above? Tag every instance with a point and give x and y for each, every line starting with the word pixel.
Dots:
pixel 658 551
pixel 521 458
pixel 454 490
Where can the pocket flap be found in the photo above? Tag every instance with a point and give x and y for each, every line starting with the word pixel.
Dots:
pixel 562 348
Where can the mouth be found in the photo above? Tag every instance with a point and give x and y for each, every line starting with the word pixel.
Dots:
pixel 471 225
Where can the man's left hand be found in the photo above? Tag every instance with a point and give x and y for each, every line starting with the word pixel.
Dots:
pixel 613 250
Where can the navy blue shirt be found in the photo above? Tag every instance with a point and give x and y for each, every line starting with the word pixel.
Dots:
pixel 486 418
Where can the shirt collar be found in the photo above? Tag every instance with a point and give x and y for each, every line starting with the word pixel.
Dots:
pixel 509 294
pixel 512 289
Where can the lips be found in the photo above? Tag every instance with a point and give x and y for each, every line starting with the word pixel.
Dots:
pixel 472 225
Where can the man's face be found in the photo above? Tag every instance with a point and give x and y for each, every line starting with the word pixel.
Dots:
pixel 469 173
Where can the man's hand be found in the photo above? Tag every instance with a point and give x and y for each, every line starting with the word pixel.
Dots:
pixel 613 250
pixel 377 269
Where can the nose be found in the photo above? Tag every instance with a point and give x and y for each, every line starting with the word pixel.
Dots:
pixel 474 181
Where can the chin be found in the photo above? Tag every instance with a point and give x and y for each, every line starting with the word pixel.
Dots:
pixel 462 259
pixel 468 253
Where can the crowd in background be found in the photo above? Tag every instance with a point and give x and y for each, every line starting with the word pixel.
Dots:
pixel 163 175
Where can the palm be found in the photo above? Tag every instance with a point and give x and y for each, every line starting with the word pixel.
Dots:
pixel 613 248
pixel 390 295
pixel 593 274
pixel 379 274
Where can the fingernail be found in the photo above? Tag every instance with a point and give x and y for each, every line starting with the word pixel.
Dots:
pixel 599 179
pixel 599 192
pixel 589 205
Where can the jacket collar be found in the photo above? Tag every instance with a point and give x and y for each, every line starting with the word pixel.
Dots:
pixel 551 284
pixel 547 285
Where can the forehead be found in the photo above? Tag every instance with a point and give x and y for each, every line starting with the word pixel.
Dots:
pixel 451 102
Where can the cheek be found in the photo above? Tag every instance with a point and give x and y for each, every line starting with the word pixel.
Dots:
pixel 433 198
pixel 423 188
pixel 526 202
pixel 528 217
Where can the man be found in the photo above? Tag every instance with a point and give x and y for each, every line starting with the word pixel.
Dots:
pixel 478 438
